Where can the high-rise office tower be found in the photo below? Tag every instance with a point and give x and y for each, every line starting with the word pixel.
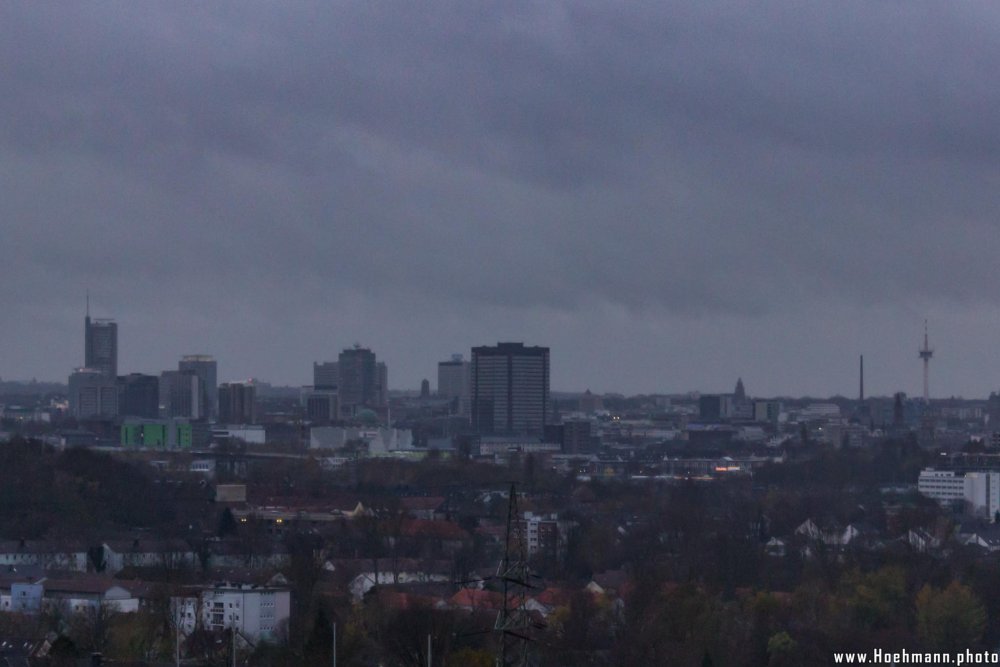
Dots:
pixel 237 403
pixel 139 396
pixel 92 394
pixel 454 382
pixel 180 395
pixel 577 436
pixel 206 369
pixel 510 389
pixel 361 381
pixel 100 345
pixel 320 405
pixel 325 375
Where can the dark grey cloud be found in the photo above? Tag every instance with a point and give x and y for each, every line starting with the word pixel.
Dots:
pixel 696 184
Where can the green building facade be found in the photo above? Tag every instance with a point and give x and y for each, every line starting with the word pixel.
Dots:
pixel 167 434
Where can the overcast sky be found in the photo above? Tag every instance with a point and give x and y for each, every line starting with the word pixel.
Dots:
pixel 668 194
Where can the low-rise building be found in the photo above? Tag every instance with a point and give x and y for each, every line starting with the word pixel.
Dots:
pixel 980 489
pixel 544 534
pixel 68 595
pixel 47 555
pixel 377 440
pixel 157 433
pixel 170 554
pixel 257 612
pixel 250 434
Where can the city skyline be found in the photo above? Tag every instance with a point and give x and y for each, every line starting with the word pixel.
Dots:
pixel 194 359
pixel 762 193
pixel 499 333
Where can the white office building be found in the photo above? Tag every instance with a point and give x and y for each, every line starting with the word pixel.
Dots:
pixel 981 489
pixel 257 612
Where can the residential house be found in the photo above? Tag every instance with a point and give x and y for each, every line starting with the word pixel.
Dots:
pixel 170 554
pixel 48 555
pixel 423 507
pixel 236 554
pixel 473 599
pixel 922 541
pixel 72 595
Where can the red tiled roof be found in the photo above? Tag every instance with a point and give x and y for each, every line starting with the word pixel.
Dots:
pixel 295 503
pixel 553 597
pixel 476 599
pixel 421 503
pixel 403 601
pixel 442 530
pixel 94 584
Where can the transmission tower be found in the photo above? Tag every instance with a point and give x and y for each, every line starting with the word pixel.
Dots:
pixel 926 353
pixel 513 621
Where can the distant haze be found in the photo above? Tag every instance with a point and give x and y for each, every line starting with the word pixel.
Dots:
pixel 669 195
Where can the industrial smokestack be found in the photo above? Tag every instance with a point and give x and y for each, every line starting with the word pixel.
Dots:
pixel 861 392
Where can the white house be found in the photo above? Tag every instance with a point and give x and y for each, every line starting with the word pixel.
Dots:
pixel 832 536
pixel 171 554
pixel 74 595
pixel 48 555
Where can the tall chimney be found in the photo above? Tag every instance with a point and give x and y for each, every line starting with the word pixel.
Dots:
pixel 862 389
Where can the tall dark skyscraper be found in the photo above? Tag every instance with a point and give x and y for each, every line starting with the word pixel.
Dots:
pixel 139 396
pixel 100 345
pixel 361 381
pixel 180 395
pixel 510 389
pixel 92 394
pixel 454 380
pixel 237 403
pixel 206 369
pixel 326 375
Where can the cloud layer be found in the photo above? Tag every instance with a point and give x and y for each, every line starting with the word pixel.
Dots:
pixel 667 194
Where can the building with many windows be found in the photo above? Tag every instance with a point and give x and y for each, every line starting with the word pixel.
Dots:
pixel 454 383
pixel 101 345
pixel 357 379
pixel 181 395
pixel 237 403
pixel 205 367
pixel 510 389
pixel 320 405
pixel 257 612
pixel 92 394
pixel 980 489
pixel 362 382
pixel 326 375
pixel 139 396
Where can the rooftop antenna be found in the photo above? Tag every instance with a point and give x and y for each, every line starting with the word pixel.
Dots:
pixel 926 353
pixel 88 303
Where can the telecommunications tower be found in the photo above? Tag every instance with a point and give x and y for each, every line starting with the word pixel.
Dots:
pixel 926 353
